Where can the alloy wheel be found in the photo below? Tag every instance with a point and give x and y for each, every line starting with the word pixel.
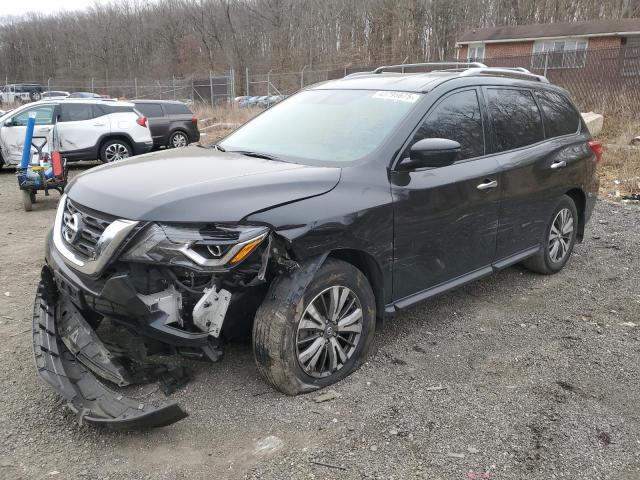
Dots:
pixel 561 235
pixel 115 152
pixel 179 140
pixel 329 331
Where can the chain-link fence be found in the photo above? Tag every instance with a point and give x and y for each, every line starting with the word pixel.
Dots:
pixel 606 80
pixel 212 89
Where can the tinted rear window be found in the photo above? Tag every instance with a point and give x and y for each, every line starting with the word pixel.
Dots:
pixel 74 112
pixel 116 109
pixel 560 118
pixel 150 110
pixel 177 109
pixel 515 118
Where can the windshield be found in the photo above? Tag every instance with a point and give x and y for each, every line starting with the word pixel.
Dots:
pixel 338 126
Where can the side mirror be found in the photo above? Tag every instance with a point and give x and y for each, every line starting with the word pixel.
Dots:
pixel 431 153
pixel 8 123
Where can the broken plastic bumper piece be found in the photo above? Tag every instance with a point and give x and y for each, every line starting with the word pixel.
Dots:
pixel 88 398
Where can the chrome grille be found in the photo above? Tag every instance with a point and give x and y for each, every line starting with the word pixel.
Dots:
pixel 83 227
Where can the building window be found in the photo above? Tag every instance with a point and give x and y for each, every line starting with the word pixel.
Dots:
pixel 559 54
pixel 475 53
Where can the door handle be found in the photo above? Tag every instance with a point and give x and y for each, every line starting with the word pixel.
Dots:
pixel 560 164
pixel 45 129
pixel 99 124
pixel 487 184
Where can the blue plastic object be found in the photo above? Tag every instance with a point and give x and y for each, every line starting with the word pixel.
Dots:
pixel 28 138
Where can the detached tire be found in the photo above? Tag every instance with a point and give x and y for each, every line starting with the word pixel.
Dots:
pixel 317 340
pixel 559 239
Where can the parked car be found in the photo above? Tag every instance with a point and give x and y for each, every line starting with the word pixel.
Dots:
pixel 310 225
pixel 87 129
pixel 172 123
pixel 21 92
pixel 84 95
pixel 54 95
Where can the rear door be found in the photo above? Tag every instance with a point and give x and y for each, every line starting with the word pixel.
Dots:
pixel 181 118
pixel 158 121
pixel 445 219
pixel 80 125
pixel 535 169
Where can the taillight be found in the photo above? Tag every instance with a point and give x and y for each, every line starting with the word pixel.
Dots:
pixel 597 148
pixel 194 120
pixel 142 121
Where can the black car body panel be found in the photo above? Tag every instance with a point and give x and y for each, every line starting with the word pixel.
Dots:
pixel 166 117
pixel 208 186
pixel 414 232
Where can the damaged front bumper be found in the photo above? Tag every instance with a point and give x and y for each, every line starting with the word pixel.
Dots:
pixel 91 401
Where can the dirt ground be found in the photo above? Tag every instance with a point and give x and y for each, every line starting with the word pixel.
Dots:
pixel 516 376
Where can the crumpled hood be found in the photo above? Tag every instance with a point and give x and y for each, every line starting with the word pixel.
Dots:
pixel 196 184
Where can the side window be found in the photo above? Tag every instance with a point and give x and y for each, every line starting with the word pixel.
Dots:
pixel 560 118
pixel 515 118
pixel 75 112
pixel 150 110
pixel 44 116
pixel 117 109
pixel 177 109
pixel 458 118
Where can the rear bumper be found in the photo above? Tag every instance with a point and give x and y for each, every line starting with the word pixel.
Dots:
pixel 142 147
pixel 88 398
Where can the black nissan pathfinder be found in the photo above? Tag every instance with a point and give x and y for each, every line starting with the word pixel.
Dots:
pixel 307 227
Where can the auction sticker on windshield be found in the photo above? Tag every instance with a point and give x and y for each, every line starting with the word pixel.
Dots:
pixel 397 96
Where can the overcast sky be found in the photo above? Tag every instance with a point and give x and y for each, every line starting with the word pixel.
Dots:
pixel 9 7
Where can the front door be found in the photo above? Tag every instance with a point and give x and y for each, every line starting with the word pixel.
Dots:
pixel 13 132
pixel 445 219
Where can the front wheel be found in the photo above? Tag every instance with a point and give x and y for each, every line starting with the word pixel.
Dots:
pixel 322 339
pixel 559 239
pixel 114 150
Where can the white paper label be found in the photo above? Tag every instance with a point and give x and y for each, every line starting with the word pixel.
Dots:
pixel 397 96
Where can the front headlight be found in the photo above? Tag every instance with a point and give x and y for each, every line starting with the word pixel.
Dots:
pixel 209 247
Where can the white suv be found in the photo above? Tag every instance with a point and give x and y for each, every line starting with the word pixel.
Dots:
pixel 86 129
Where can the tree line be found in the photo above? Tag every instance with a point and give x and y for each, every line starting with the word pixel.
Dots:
pixel 136 38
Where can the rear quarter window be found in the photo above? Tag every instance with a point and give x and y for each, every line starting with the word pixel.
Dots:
pixel 560 117
pixel 74 112
pixel 515 118
pixel 150 110
pixel 177 109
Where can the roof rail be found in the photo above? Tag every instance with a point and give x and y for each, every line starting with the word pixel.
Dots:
pixel 505 72
pixel 432 64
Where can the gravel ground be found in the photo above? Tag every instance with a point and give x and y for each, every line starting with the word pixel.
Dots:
pixel 516 376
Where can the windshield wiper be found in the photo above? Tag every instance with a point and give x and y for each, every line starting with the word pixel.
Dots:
pixel 255 155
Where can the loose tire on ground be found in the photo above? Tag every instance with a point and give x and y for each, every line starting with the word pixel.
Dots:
pixel 275 330
pixel 543 262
